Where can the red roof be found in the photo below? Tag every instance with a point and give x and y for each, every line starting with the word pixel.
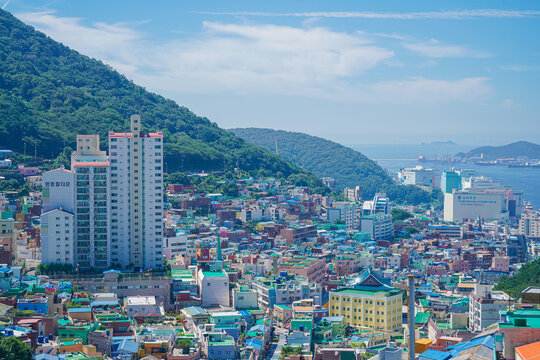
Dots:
pixel 139 315
pixel 29 321
pixel 90 163
pixel 154 315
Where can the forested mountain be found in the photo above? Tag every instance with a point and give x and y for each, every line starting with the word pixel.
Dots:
pixel 327 158
pixel 49 93
pixel 513 150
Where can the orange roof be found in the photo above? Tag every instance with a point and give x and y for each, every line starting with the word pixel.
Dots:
pixel 91 163
pixel 530 351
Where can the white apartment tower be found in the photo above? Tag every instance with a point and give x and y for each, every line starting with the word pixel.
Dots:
pixel 92 213
pixel 136 197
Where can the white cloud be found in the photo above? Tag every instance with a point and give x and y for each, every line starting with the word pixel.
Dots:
pixel 519 67
pixel 452 14
pixel 253 59
pixel 434 49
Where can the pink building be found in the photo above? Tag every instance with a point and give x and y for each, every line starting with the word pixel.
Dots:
pixel 500 263
pixel 30 171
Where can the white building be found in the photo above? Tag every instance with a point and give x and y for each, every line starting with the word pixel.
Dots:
pixel 529 225
pixel 244 298
pixel 484 306
pixel 57 246
pixel 136 197
pixel 57 218
pixel 213 288
pixel 378 225
pixel 471 205
pixel 142 305
pixel 92 212
pixel 420 176
pixel 348 213
pixel 262 213
pixel 353 194
pixel 173 246
pixel 479 182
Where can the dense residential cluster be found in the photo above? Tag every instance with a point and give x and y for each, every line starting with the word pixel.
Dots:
pixel 109 259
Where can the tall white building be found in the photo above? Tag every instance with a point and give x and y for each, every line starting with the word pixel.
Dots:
pixel 136 197
pixel 92 213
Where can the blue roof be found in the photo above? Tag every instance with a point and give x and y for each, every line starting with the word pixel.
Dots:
pixel 79 310
pixel 254 343
pixel 103 302
pixel 128 346
pixel 487 340
pixel 435 355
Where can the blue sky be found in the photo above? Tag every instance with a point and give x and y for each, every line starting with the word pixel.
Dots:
pixel 354 72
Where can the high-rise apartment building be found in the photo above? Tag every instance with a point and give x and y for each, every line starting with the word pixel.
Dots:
pixel 529 225
pixel 108 210
pixel 92 214
pixel 136 197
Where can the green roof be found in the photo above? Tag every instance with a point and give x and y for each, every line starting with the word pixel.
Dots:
pixel 422 317
pixel 213 274
pixel 285 307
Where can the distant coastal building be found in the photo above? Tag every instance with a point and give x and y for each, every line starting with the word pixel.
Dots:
pixel 419 176
pixel 370 304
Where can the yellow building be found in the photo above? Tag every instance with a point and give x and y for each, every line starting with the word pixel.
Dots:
pixel 370 304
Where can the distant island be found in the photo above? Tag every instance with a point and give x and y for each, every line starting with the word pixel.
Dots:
pixel 519 149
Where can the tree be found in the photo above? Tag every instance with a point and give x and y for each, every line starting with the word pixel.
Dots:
pixel 11 348
pixel 400 214
pixel 184 344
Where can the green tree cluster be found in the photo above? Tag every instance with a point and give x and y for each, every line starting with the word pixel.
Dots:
pixel 348 167
pixel 400 214
pixel 11 348
pixel 527 275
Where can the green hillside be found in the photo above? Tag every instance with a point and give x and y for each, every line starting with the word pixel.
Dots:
pixel 49 93
pixel 517 149
pixel 327 158
pixel 528 275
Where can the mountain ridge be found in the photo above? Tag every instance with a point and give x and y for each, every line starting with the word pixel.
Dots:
pixel 324 157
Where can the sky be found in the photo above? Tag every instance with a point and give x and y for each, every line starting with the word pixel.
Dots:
pixel 356 72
